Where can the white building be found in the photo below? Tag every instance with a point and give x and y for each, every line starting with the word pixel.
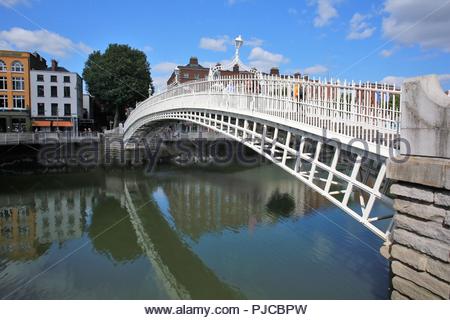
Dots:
pixel 56 99
pixel 87 105
pixel 86 121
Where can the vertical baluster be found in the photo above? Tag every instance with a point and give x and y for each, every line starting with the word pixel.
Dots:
pixel 286 145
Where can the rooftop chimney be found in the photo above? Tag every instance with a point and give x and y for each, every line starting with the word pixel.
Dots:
pixel 54 65
pixel 274 71
pixel 193 61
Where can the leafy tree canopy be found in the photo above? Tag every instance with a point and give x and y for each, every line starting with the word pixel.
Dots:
pixel 118 78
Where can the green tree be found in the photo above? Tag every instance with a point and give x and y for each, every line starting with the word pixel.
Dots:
pixel 118 78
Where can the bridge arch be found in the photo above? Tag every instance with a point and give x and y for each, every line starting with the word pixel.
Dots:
pixel 296 123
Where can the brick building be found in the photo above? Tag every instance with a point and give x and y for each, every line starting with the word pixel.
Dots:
pixel 192 71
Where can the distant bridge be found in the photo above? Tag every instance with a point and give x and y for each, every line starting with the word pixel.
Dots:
pixel 333 136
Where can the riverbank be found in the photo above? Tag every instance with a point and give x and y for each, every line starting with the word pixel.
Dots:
pixel 86 155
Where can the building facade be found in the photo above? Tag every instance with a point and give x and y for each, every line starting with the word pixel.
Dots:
pixel 57 99
pixel 192 71
pixel 15 97
pixel 86 120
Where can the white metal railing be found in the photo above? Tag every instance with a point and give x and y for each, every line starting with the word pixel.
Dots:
pixel 43 137
pixel 364 111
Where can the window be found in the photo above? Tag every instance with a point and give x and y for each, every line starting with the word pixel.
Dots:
pixel 18 102
pixel 186 75
pixel 3 101
pixel 67 109
pixel 40 77
pixel 2 65
pixel 41 109
pixel 53 78
pixel 197 76
pixel 18 83
pixel 3 83
pixel 67 79
pixel 54 109
pixel 17 66
pixel 54 91
pixel 40 91
pixel 66 92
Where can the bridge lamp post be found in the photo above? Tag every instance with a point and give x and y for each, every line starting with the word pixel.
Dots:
pixel 238 44
pixel 177 75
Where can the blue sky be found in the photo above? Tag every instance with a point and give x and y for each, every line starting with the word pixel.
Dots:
pixel 349 39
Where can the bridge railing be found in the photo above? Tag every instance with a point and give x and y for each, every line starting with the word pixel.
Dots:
pixel 14 138
pixel 365 111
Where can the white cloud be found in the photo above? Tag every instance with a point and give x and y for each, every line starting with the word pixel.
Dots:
pixel 40 40
pixel 160 83
pixel 264 60
pixel 316 69
pixel 393 80
pixel 253 42
pixel 387 52
pixel 326 11
pixel 214 44
pixel 165 67
pixel 259 53
pixel 221 43
pixel 12 3
pixel 398 80
pixel 360 28
pixel 420 22
pixel 5 45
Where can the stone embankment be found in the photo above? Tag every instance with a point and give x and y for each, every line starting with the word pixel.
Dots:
pixel 419 244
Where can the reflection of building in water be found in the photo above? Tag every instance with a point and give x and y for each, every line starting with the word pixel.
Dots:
pixel 17 232
pixel 205 204
pixel 44 217
pixel 59 216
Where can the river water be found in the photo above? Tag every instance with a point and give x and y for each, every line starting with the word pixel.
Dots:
pixel 197 233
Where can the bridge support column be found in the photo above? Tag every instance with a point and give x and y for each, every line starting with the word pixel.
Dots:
pixel 419 244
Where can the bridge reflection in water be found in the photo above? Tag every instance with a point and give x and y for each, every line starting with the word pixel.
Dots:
pixel 240 233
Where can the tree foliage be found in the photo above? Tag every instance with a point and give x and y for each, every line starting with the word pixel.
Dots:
pixel 118 78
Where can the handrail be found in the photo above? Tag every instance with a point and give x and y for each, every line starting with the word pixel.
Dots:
pixel 12 138
pixel 367 111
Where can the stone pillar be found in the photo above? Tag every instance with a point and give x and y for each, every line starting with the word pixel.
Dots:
pixel 419 246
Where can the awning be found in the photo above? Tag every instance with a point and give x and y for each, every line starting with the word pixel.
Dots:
pixel 41 123
pixel 62 124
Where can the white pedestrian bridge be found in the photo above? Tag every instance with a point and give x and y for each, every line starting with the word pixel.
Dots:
pixel 333 136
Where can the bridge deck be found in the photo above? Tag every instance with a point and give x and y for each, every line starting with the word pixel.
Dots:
pixel 277 117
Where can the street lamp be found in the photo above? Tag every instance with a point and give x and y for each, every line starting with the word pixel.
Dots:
pixel 238 44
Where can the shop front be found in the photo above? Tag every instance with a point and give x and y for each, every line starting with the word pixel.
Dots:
pixel 14 121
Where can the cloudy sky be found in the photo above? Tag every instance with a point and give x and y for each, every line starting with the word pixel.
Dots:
pixel 375 40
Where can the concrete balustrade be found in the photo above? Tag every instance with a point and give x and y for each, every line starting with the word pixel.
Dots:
pixel 425 118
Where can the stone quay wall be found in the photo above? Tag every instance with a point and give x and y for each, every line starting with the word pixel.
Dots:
pixel 419 243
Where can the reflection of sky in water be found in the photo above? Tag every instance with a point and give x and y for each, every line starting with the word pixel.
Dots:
pixel 163 203
pixel 309 256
